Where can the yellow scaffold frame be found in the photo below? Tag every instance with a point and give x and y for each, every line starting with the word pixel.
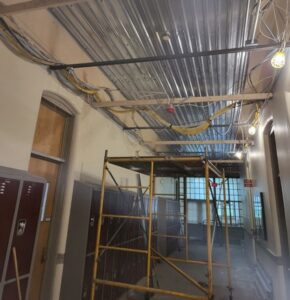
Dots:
pixel 152 253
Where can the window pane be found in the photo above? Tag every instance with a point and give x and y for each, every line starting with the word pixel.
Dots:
pixel 196 192
pixel 49 133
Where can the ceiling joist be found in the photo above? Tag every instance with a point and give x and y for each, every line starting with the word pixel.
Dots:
pixel 146 102
pixel 6 10
pixel 205 142
pixel 226 161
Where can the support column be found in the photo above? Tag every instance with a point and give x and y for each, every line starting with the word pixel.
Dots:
pixel 185 217
pixel 150 206
pixel 227 238
pixel 209 248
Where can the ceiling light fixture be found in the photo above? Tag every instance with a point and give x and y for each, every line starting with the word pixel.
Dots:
pixel 278 60
pixel 239 154
pixel 252 130
pixel 166 36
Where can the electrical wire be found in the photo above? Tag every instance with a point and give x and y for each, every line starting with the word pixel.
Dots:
pixel 188 130
pixel 278 37
pixel 91 93
pixel 23 48
pixel 249 77
pixel 18 44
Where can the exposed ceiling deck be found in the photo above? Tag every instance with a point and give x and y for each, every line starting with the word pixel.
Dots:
pixel 103 31
pixel 109 30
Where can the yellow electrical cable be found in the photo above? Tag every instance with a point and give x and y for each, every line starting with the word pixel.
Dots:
pixel 256 119
pixel 18 50
pixel 79 85
pixel 222 111
pixel 182 130
pixel 191 130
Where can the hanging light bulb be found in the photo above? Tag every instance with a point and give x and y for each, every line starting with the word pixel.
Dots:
pixel 239 154
pixel 278 60
pixel 252 130
pixel 166 36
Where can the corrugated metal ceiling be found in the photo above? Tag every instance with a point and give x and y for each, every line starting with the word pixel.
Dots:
pixel 109 30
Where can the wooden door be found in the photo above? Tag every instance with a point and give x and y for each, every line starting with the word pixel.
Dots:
pixel 47 160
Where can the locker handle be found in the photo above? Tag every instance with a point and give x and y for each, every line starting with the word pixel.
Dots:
pixel 21 226
pixel 92 221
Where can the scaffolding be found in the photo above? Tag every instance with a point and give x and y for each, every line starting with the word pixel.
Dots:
pixel 160 166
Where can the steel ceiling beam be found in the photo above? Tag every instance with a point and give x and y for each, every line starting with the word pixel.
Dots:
pixel 168 127
pixel 250 48
pixel 226 161
pixel 214 161
pixel 165 101
pixel 7 10
pixel 205 142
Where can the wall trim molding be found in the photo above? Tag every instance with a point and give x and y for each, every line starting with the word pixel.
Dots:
pixel 60 102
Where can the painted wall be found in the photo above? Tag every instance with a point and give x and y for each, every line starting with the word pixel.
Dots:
pixel 21 86
pixel 259 168
pixel 55 40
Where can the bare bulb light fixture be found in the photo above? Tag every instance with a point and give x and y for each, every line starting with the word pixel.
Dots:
pixel 252 130
pixel 166 36
pixel 239 154
pixel 278 60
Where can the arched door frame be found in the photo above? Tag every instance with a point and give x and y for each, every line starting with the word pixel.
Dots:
pixel 52 257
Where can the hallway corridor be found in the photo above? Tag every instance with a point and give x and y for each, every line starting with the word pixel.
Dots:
pixel 243 274
pixel 134 134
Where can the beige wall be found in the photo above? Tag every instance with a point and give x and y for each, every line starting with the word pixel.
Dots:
pixel 22 85
pixel 55 40
pixel 260 169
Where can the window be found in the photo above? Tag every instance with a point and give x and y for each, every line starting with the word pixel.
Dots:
pixel 196 188
pixel 196 196
pixel 259 217
pixel 234 205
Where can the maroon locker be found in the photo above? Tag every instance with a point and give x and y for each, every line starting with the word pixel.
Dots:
pixel 8 198
pixel 10 291
pixel 93 222
pixel 26 227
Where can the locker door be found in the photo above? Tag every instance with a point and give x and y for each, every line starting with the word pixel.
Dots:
pixel 8 197
pixel 87 282
pixel 93 222
pixel 10 291
pixel 26 227
pixel 91 243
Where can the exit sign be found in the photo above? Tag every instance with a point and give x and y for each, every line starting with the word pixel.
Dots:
pixel 249 183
